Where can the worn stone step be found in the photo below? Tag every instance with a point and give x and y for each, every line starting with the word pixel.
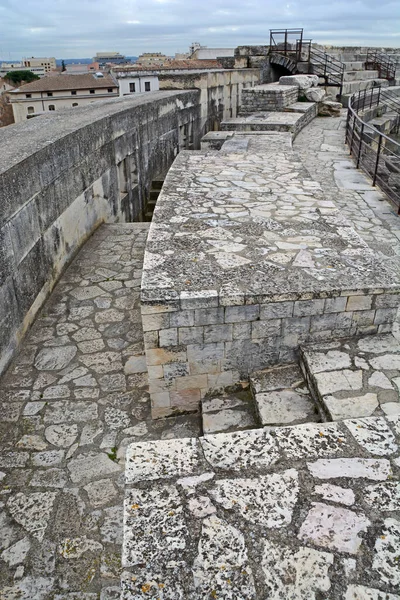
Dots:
pixel 229 411
pixel 292 119
pixel 354 378
pixel 282 397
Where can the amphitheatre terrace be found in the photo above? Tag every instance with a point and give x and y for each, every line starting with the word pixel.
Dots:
pixel 205 405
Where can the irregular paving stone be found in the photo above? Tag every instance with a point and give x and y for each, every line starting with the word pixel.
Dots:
pixel 49 478
pixel 154 526
pixel 379 379
pixel 111 529
pixel 161 459
pixel 31 442
pixel 49 458
pixel 76 547
pixel 347 408
pixel 16 554
pixel 201 506
pixel 328 361
pixel 149 582
pixel 240 450
pixel 32 511
pixel 29 588
pixel 300 573
pixel 374 435
pixel 335 493
pixel 333 527
pixel 383 496
pixel 284 407
pixel 221 567
pixel 268 500
pixel 136 364
pixel 54 359
pixel 10 460
pixel 227 419
pixel 62 435
pixel 360 592
pixel 387 361
pixel 91 466
pixel 100 492
pixel 336 381
pixel 376 469
pixel 311 440
pixel 61 412
pixel 386 554
pixel 86 293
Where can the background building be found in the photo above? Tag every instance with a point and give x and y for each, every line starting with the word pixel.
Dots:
pixel 135 81
pixel 199 52
pixel 152 59
pixel 53 93
pixel 15 66
pixel 48 64
pixel 115 58
pixel 80 68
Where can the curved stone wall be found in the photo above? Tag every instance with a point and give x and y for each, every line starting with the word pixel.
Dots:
pixel 61 175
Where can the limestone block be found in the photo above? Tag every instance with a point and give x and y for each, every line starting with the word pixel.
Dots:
pixel 327 108
pixel 315 94
pixel 303 82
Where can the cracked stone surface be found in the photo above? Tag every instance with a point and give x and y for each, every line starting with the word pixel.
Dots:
pixel 76 398
pixel 358 379
pixel 73 399
pixel 253 517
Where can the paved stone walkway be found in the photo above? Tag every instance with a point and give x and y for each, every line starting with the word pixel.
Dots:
pixel 321 149
pixel 70 403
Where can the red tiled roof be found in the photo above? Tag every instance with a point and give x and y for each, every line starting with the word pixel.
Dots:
pixel 68 82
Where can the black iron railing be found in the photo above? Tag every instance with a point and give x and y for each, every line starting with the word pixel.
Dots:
pixel 376 61
pixel 291 43
pixel 324 65
pixel 375 153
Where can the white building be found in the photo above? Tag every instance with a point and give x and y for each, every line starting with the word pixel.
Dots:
pixel 62 91
pixel 203 53
pixel 10 67
pixel 132 81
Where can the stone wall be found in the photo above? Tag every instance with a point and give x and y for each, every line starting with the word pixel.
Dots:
pixel 271 97
pixel 62 175
pixel 220 91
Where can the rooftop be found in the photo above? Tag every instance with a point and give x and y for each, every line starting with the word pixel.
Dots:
pixel 68 82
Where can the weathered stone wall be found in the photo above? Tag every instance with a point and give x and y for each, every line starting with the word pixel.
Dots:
pixel 62 175
pixel 220 91
pixel 268 97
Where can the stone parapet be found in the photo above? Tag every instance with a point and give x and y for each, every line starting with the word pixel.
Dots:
pixel 246 260
pixel 268 97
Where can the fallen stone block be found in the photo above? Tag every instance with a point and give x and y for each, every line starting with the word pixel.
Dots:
pixel 315 94
pixel 303 82
pixel 327 108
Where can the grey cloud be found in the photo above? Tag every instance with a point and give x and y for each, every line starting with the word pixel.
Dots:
pixel 75 28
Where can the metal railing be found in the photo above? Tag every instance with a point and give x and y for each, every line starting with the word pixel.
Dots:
pixel 375 153
pixel 376 61
pixel 324 65
pixel 291 43
pixel 286 41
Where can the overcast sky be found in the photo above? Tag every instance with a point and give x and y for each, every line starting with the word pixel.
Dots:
pixel 80 28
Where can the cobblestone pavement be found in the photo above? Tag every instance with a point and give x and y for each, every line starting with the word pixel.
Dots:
pixel 321 148
pixel 70 403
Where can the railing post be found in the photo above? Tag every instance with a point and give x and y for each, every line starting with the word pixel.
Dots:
pixel 285 42
pixel 360 146
pixel 377 160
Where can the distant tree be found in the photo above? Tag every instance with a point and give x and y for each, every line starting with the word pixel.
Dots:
pixel 63 66
pixel 19 76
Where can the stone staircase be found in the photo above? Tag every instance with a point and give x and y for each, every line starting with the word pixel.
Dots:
pixel 342 379
pixel 269 107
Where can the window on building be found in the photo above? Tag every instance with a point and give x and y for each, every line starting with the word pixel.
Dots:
pixel 147 86
pixel 52 107
pixel 73 93
pixel 91 91
pixel 110 90
pixel 28 95
pixel 49 93
pixel 132 88
pixel 75 104
pixel 31 110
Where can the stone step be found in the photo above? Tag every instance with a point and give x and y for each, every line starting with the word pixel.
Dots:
pixel 358 75
pixel 357 377
pixel 282 397
pixel 270 96
pixel 229 411
pixel 294 117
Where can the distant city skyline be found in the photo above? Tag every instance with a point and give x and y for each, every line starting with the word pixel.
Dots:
pixel 80 29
